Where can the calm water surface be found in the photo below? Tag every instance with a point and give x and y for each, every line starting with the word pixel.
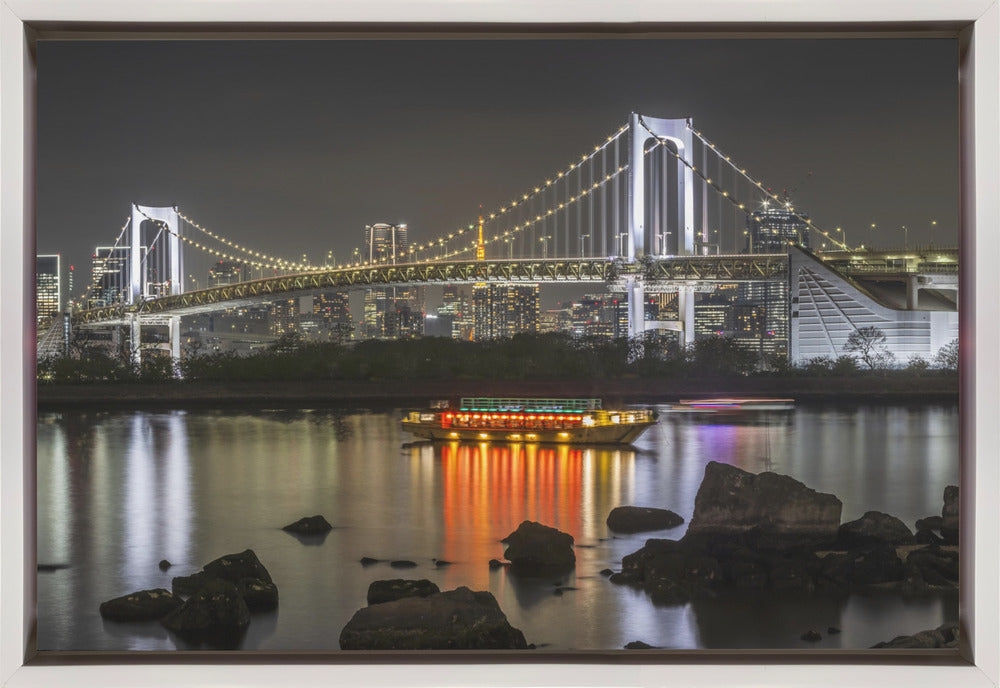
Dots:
pixel 119 491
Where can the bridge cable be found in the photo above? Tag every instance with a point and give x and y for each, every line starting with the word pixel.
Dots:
pixel 760 186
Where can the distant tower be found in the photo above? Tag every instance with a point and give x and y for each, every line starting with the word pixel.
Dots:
pixel 48 295
pixel 480 246
pixel 771 230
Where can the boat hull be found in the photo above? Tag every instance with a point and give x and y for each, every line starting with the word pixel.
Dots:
pixel 624 433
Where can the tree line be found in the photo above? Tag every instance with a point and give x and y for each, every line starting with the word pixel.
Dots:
pixel 551 356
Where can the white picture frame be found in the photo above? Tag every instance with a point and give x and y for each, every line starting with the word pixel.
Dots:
pixel 980 332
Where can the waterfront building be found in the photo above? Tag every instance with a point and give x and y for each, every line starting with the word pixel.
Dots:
pixel 227 272
pixel 712 318
pixel 389 312
pixel 284 316
pixel 48 286
pixel 503 310
pixel 333 309
pixel 109 276
pixel 761 317
pixel 455 307
pixel 772 229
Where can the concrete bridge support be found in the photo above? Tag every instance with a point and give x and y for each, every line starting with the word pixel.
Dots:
pixel 678 132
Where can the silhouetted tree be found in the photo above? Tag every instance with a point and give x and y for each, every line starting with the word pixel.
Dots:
pixel 869 344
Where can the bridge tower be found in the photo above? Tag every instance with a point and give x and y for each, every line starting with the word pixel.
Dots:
pixel 167 240
pixel 639 242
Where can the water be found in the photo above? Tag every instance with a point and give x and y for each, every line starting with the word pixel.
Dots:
pixel 119 491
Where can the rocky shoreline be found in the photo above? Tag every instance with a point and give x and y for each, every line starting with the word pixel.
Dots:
pixel 748 533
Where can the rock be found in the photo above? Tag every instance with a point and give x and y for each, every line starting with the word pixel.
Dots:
pixel 164 564
pixel 368 561
pixel 670 571
pixel 811 636
pixel 928 537
pixel 930 523
pixel 563 588
pixel 949 515
pixel 189 585
pixel 930 568
pixel 788 573
pixel 832 630
pixel 216 611
pixel 636 519
pixel 872 528
pixel 381 591
pixel 765 511
pixel 495 564
pixel 259 595
pixel 441 562
pixel 403 564
pixel 48 568
pixel 638 645
pixel 143 605
pixel 235 567
pixel 607 572
pixel 863 567
pixel 536 549
pixel 455 620
pixel 309 525
pixel 943 636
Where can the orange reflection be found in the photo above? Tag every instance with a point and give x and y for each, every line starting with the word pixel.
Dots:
pixel 489 489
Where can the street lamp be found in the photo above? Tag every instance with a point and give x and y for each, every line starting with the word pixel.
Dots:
pixel 545 245
pixel 583 239
pixel 906 238
pixel 843 236
pixel 933 225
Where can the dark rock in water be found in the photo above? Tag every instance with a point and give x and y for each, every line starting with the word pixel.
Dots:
pixel 368 561
pixel 309 525
pixel 403 564
pixel 606 572
pixel 563 588
pixel 793 573
pixel 671 572
pixel 216 611
pixel 382 591
pixel 143 605
pixel 949 515
pixel 537 549
pixel 928 569
pixel 441 562
pixel 745 569
pixel 930 523
pixel 860 568
pixel 495 564
pixel 235 567
pixel 872 528
pixel 928 537
pixel 638 645
pixel 811 636
pixel 764 512
pixel 832 630
pixel 164 564
pixel 636 519
pixel 189 585
pixel 259 595
pixel 455 620
pixel 942 636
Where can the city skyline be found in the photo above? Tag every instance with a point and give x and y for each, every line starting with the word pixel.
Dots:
pixel 251 147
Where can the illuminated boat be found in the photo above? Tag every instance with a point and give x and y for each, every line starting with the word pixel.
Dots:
pixel 731 405
pixel 572 421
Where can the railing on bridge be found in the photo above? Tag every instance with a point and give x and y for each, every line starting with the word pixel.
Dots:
pixel 708 269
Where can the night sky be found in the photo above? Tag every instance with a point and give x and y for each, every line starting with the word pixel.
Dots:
pixel 292 147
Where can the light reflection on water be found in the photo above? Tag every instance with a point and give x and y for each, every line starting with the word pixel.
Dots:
pixel 118 492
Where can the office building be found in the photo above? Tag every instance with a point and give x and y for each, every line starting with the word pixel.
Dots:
pixel 48 287
pixel 503 310
pixel 455 307
pixel 109 276
pixel 772 230
pixel 390 312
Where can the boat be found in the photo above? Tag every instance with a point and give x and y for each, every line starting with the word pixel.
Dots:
pixel 529 420
pixel 731 405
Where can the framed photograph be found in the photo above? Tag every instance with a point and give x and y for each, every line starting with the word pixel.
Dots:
pixel 605 352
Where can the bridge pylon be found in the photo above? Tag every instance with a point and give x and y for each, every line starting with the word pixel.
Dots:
pixel 170 271
pixel 639 240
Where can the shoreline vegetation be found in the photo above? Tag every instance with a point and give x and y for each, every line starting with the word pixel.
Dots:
pixel 415 371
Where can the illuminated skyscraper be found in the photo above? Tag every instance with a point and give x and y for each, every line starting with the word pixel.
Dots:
pixel 389 312
pixel 503 310
pixel 769 230
pixel 48 286
pixel 109 276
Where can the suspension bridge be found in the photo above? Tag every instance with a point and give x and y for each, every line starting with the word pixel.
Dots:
pixel 654 207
